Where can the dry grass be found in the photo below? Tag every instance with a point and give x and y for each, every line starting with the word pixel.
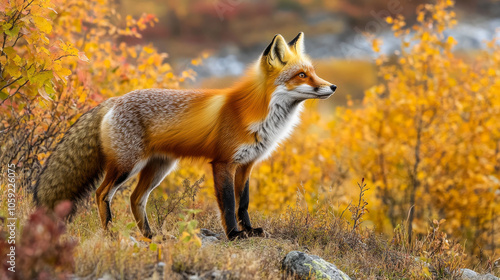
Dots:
pixel 359 252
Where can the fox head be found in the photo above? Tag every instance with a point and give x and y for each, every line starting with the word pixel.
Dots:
pixel 286 67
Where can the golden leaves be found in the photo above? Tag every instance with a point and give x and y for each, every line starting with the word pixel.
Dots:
pixel 37 62
pixel 42 24
pixel 68 48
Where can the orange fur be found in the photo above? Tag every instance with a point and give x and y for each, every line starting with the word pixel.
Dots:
pixel 214 115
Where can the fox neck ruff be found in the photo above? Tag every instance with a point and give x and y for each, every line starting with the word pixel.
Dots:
pixel 283 115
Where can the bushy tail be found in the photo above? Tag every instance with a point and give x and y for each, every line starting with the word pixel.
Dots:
pixel 76 166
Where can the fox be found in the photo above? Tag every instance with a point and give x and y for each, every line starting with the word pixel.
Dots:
pixel 146 132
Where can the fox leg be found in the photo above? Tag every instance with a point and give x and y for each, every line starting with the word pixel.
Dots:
pixel 224 191
pixel 241 188
pixel 149 178
pixel 104 194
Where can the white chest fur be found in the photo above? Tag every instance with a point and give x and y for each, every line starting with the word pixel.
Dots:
pixel 284 114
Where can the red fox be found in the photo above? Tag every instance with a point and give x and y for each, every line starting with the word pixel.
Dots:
pixel 146 132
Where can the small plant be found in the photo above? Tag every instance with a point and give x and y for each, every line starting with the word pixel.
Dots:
pixel 357 211
pixel 188 228
pixel 445 257
pixel 441 257
pixel 164 206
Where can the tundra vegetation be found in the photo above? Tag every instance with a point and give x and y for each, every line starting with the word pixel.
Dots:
pixel 425 138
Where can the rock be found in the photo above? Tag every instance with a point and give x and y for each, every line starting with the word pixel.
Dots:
pixel 208 232
pixel 488 277
pixel 468 274
pixel 305 266
pixel 207 236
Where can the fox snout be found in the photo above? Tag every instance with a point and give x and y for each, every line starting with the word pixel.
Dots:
pixel 324 91
pixel 332 87
pixel 322 88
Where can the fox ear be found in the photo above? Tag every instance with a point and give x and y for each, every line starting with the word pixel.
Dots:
pixel 297 44
pixel 277 53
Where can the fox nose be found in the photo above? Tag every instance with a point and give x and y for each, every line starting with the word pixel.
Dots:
pixel 333 87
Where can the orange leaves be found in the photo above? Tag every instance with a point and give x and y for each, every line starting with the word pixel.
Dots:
pixel 42 157
pixel 451 41
pixel 492 72
pixel 148 49
pixel 145 20
pixel 195 62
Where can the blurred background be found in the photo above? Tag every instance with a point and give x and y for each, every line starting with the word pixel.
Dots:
pixel 235 32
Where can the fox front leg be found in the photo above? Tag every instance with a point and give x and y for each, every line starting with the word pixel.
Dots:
pixel 224 191
pixel 241 188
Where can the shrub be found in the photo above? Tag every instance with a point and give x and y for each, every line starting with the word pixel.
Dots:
pixel 41 252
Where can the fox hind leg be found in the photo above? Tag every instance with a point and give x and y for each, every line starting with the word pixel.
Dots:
pixel 156 169
pixel 104 194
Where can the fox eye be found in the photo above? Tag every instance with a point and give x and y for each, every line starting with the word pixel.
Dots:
pixel 302 75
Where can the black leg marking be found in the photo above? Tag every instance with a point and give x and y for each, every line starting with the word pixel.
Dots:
pixel 122 178
pixel 243 216
pixel 108 212
pixel 107 199
pixel 148 233
pixel 229 206
pixel 224 189
pixel 243 208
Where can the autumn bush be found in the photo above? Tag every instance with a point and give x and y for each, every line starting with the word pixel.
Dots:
pixel 41 252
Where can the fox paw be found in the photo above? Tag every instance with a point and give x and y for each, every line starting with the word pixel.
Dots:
pixel 237 234
pixel 148 234
pixel 256 232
